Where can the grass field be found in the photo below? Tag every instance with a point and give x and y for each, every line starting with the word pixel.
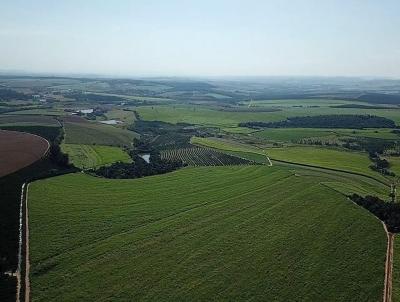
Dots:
pixel 94 156
pixel 203 115
pixel 292 134
pixel 228 233
pixel 296 134
pixel 323 157
pixel 47 111
pixel 99 134
pixel 396 269
pixel 128 117
pixel 316 156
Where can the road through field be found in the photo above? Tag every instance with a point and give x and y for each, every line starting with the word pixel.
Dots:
pixel 387 291
pixel 22 238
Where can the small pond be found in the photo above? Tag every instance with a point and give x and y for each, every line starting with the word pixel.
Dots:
pixel 146 157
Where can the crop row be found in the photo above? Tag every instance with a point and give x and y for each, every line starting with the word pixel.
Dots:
pixel 203 157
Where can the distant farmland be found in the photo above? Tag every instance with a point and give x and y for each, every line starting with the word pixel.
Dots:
pixel 223 233
pixel 88 133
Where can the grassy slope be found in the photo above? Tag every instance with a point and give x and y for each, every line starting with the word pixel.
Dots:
pixel 128 117
pixel 273 237
pixel 295 134
pixel 292 134
pixel 94 133
pixel 396 269
pixel 323 157
pixel 394 164
pixel 92 156
pixel 207 116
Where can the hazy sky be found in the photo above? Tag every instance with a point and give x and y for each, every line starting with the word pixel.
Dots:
pixel 204 37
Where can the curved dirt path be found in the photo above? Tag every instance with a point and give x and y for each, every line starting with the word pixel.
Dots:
pixel 27 262
pixel 387 290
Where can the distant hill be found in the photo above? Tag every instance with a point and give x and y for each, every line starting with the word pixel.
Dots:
pixel 380 98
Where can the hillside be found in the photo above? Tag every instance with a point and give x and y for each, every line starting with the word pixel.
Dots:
pixel 195 234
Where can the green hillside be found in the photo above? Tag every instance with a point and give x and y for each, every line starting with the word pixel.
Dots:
pixel 201 234
pixel 92 156
pixel 99 134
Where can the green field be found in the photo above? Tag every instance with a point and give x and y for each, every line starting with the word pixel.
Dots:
pixel 292 134
pixel 90 133
pixel 94 156
pixel 324 157
pixel 128 117
pixel 316 156
pixel 209 116
pixel 231 233
pixel 202 115
pixel 296 134
pixel 46 111
pixel 396 269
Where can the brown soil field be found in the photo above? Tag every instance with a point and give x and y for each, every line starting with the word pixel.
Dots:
pixel 18 150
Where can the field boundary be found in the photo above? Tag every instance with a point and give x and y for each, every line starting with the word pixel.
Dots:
pixel 27 262
pixel 20 239
pixel 388 285
pixel 331 169
pixel 310 166
pixel 23 280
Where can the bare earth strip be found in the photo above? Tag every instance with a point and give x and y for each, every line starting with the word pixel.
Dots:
pixel 387 291
pixel 27 262
pixel 18 272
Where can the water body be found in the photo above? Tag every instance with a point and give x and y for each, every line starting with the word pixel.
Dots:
pixel 146 157
pixel 86 111
pixel 111 122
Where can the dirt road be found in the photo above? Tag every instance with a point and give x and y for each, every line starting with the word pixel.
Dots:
pixel 387 291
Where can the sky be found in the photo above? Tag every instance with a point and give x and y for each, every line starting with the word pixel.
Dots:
pixel 201 38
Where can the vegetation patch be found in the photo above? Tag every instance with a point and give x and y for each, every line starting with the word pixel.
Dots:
pixel 94 156
pixel 91 133
pixel 196 156
pixel 139 167
pixel 327 121
pixel 388 212
pixel 205 226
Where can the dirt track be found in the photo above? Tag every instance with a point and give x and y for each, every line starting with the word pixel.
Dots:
pixel 19 149
pixel 27 262
pixel 387 291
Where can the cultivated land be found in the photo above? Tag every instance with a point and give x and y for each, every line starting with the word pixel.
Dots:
pixel 396 269
pixel 356 162
pixel 280 233
pixel 127 117
pixel 89 133
pixel 296 134
pixel 139 240
pixel 210 116
pixel 94 156
pixel 18 150
pixel 34 120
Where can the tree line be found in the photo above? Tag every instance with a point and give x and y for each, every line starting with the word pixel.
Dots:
pixel 139 167
pixel 327 121
pixel 389 213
